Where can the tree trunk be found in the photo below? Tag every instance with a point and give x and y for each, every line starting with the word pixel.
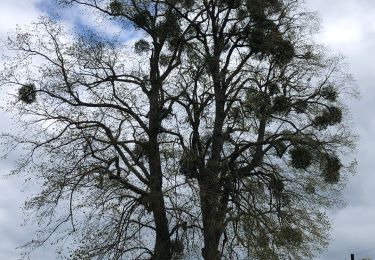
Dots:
pixel 213 209
pixel 162 249
pixel 212 218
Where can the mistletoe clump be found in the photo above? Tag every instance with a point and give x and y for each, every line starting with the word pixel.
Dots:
pixel 310 188
pixel 257 40
pixel 27 93
pixel 141 46
pixel 188 165
pixel 116 7
pixel 258 102
pixel 187 3
pixel 281 104
pixel 301 157
pixel 259 8
pixel 170 29
pixel 177 247
pixel 265 37
pixel 273 89
pixel 271 43
pixel 164 59
pixel 300 106
pixel 329 93
pixel 276 186
pixel 280 148
pixel 330 116
pixel 233 4
pixel 141 19
pixel 331 166
pixel 283 50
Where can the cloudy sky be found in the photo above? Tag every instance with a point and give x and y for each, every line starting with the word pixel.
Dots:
pixel 348 27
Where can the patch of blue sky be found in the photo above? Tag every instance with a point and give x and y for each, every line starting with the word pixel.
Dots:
pixel 108 29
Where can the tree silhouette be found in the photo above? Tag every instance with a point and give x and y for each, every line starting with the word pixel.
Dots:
pixel 220 133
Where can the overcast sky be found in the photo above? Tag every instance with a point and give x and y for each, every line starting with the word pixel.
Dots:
pixel 348 27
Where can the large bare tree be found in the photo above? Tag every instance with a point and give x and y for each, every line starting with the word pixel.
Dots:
pixel 219 133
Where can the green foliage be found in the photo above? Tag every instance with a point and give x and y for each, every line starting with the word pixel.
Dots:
pixel 256 8
pixel 27 93
pixel 187 4
pixel 170 27
pixel 301 157
pixel 289 236
pixel 235 114
pixel 267 254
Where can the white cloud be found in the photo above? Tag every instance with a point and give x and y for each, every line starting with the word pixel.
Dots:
pixel 12 13
pixel 16 12
pixel 344 31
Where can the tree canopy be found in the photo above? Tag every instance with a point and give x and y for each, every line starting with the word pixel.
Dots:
pixel 221 132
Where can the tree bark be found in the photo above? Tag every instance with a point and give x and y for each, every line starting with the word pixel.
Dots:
pixel 212 228
pixel 162 249
pixel 213 208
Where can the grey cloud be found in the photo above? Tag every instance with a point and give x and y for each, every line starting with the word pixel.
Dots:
pixel 354 226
